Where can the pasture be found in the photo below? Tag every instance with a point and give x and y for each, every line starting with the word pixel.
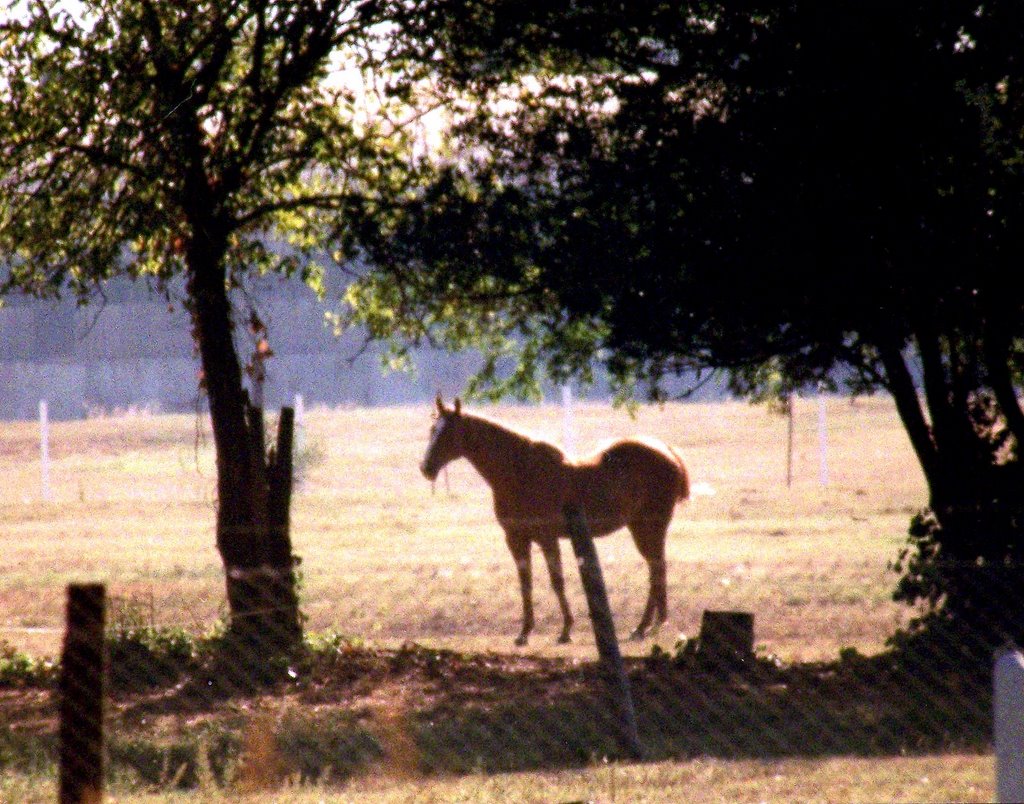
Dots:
pixel 388 559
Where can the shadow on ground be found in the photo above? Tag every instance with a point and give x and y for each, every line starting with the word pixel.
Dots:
pixel 417 710
pixel 860 706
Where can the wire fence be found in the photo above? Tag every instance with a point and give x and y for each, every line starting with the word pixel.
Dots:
pixel 340 709
pixel 777 645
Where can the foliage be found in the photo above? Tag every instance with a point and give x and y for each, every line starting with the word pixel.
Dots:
pixel 18 669
pixel 310 454
pixel 633 206
pixel 26 752
pixel 969 572
pixel 201 760
pixel 121 119
pixel 424 713
pixel 794 196
pixel 149 656
pixel 209 141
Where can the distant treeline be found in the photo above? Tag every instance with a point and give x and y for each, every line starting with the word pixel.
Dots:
pixel 131 348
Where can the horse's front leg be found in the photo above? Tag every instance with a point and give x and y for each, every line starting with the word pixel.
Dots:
pixel 520 549
pixel 553 556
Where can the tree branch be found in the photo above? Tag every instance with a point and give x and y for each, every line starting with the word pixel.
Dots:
pixel 997 363
pixel 908 405
pixel 938 394
pixel 327 201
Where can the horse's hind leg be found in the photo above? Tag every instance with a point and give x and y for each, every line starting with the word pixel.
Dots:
pixel 650 541
pixel 553 556
pixel 655 610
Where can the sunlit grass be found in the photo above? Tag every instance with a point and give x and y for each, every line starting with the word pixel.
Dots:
pixel 387 557
pixel 965 778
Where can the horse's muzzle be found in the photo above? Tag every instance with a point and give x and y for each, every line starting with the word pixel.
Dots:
pixel 429 472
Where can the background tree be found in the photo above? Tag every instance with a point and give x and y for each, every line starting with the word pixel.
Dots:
pixel 823 193
pixel 208 140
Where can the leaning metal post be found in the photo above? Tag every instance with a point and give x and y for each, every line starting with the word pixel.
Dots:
pixel 604 628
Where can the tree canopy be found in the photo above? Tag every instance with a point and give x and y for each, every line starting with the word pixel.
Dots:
pixel 790 194
pixel 826 156
pixel 127 122
pixel 207 140
pixel 822 193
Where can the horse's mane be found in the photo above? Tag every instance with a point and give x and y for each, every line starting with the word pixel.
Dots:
pixel 539 445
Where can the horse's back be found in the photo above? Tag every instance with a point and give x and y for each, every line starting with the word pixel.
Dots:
pixel 534 498
pixel 646 459
pixel 630 477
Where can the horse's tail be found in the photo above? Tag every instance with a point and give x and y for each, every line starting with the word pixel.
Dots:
pixel 684 477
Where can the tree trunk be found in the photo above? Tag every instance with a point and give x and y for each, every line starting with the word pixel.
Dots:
pixel 997 359
pixel 908 405
pixel 253 492
pixel 966 553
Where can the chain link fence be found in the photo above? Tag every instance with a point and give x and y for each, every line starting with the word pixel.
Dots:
pixel 408 669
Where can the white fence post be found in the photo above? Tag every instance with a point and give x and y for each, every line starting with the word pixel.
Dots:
pixel 789 441
pixel 300 423
pixel 568 422
pixel 1008 717
pixel 44 450
pixel 822 442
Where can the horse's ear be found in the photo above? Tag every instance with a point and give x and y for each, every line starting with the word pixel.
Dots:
pixel 440 403
pixel 458 406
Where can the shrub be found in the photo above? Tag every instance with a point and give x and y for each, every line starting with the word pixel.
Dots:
pixel 148 656
pixel 18 669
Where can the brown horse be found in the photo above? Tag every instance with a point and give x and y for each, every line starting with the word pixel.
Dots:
pixel 633 482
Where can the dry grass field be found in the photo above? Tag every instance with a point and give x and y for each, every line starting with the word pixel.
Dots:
pixel 912 780
pixel 388 559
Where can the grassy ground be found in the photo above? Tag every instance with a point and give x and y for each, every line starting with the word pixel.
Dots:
pixel 388 559
pixel 965 778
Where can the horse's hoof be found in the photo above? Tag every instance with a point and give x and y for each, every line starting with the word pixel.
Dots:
pixel 564 639
pixel 520 640
pixel 637 635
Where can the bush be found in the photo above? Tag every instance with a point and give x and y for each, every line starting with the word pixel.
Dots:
pixel 148 656
pixel 966 569
pixel 203 761
pixel 18 669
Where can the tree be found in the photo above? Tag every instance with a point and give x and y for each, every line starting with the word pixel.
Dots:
pixel 827 193
pixel 209 140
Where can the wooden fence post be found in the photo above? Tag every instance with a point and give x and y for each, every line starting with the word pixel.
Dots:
pixel 727 638
pixel 604 628
pixel 82 694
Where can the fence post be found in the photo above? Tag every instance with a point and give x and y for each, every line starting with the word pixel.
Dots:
pixel 727 638
pixel 604 628
pixel 1008 725
pixel 300 423
pixel 822 442
pixel 568 422
pixel 789 441
pixel 44 450
pixel 82 694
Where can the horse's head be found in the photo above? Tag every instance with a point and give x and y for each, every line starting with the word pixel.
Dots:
pixel 445 439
